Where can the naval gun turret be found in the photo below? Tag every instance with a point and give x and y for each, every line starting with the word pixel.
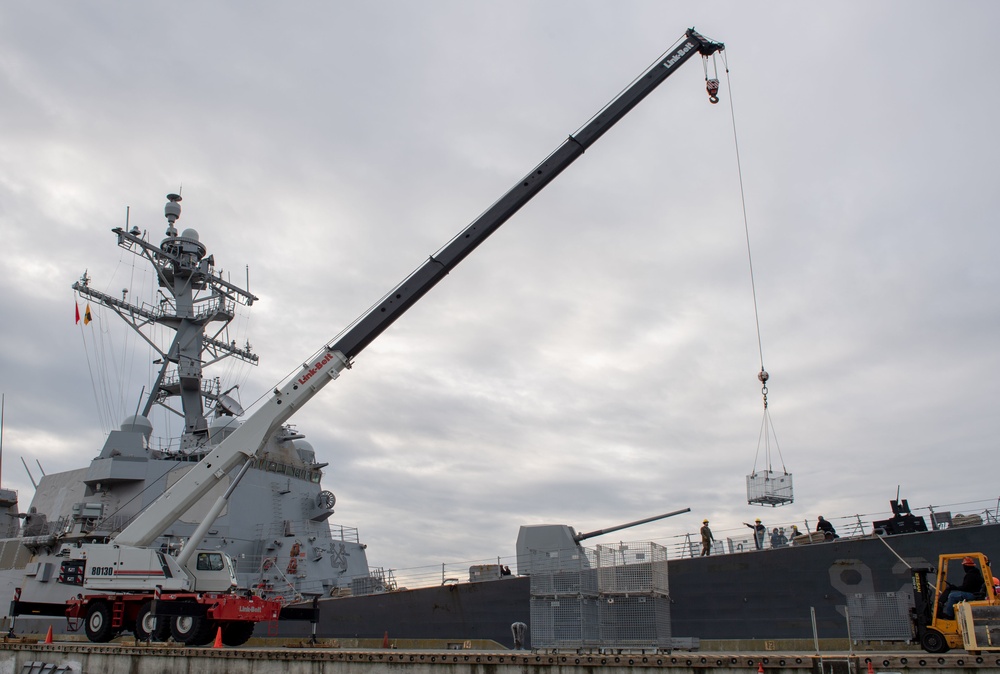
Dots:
pixel 560 541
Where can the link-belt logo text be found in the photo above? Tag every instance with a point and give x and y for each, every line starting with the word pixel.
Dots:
pixel 677 57
pixel 251 609
pixel 315 368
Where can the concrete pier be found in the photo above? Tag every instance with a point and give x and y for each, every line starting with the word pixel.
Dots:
pixel 40 658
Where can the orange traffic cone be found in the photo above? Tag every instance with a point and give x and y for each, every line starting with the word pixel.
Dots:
pixel 48 635
pixel 871 670
pixel 385 640
pixel 218 638
pixel 760 668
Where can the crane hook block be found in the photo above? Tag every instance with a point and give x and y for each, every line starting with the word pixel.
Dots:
pixel 713 90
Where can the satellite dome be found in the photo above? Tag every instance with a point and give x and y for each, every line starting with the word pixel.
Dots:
pixel 190 233
pixel 138 424
pixel 305 451
pixel 221 427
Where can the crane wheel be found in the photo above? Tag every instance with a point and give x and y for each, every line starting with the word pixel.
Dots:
pixel 192 630
pixel 237 633
pixel 98 625
pixel 150 628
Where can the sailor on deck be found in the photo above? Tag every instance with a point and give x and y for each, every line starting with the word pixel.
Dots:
pixel 758 533
pixel 828 531
pixel 706 539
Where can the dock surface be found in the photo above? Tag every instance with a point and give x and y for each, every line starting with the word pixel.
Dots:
pixel 85 658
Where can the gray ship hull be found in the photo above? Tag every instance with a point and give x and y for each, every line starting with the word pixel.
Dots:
pixel 768 594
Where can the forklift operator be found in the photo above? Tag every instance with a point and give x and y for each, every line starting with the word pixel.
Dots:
pixel 972 585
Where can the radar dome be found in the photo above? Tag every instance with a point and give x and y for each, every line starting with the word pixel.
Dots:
pixel 138 424
pixel 190 234
pixel 305 451
pixel 221 427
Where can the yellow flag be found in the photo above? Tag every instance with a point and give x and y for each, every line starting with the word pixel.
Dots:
pixel 86 315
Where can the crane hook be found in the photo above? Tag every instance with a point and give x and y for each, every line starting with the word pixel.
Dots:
pixel 763 377
pixel 713 90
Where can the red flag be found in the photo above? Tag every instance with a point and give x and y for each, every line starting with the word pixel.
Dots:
pixel 77 312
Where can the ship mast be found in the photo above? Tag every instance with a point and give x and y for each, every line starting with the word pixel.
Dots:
pixel 194 297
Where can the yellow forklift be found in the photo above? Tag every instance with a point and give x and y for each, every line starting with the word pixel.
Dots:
pixel 979 616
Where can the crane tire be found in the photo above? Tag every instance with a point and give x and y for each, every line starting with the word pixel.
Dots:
pixel 98 625
pixel 237 633
pixel 149 627
pixel 192 630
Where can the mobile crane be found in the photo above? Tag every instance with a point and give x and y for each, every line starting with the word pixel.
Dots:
pixel 123 584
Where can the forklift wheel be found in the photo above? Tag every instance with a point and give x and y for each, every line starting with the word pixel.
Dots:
pixel 933 641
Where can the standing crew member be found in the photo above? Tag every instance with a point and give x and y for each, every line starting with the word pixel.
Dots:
pixel 706 539
pixel 758 533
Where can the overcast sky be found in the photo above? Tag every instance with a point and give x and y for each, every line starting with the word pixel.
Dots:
pixel 594 362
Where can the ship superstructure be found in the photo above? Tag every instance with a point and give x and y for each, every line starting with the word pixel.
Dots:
pixel 276 526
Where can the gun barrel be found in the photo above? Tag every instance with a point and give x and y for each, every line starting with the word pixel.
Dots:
pixel 591 534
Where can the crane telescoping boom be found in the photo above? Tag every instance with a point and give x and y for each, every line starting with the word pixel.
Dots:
pixel 244 443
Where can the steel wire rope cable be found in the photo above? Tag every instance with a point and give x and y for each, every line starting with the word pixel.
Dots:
pixel 167 418
pixel 104 354
pixel 99 372
pixel 238 371
pixel 125 349
pixel 108 383
pixel 90 370
pixel 180 462
pixel 767 427
pixel 128 363
pixel 112 381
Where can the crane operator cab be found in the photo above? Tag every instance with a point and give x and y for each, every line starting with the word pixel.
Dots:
pixel 213 571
